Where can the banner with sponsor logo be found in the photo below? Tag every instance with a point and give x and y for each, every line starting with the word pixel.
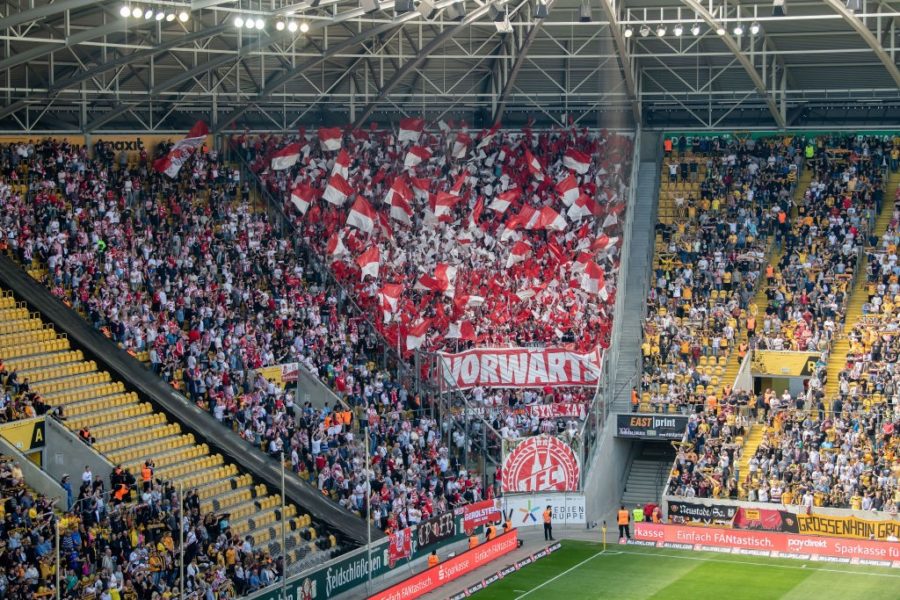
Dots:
pixel 400 546
pixel 696 513
pixel 651 427
pixel 436 529
pixel 565 410
pixel 763 543
pixel 765 519
pixel 451 569
pixel 541 463
pixel 507 570
pixel 520 368
pixel 348 571
pixel 526 510
pixel 478 514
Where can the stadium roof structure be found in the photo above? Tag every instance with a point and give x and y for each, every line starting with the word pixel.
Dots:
pixel 81 65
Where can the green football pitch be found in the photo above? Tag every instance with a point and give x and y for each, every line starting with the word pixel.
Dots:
pixel 584 571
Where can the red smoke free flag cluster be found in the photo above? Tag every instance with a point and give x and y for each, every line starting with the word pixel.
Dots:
pixel 170 164
pixel 286 157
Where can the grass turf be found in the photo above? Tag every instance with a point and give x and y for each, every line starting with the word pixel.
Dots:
pixel 581 571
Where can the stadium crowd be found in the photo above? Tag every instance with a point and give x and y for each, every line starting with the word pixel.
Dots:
pixel 112 547
pixel 178 269
pixel 707 266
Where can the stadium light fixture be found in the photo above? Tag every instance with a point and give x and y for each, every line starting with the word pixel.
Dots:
pixel 136 12
pixel 260 23
pixel 183 16
pixel 541 10
pixel 148 14
pixel 584 13
pixel 292 26
pixel 660 30
pixel 779 8
pixel 304 27
pixel 239 21
pixel 678 30
pixel 279 25
pixel 628 32
pixel 124 11
pixel 645 30
pixel 720 30
pixel 695 29
pixel 160 15
pixel 738 29
pixel 170 17
pixel 754 28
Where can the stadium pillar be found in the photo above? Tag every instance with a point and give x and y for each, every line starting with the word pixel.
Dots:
pixel 58 562
pixel 181 540
pixel 283 534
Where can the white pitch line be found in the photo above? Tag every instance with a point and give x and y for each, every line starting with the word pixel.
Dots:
pixel 759 564
pixel 569 570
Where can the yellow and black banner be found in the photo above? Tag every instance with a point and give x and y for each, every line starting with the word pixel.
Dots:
pixel 25 435
pixel 849 527
pixel 777 363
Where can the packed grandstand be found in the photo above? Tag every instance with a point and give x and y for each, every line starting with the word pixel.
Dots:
pixel 367 257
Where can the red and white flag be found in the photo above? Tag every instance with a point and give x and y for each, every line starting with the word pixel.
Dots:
pixel 461 146
pixel 461 330
pixel 550 219
pixel 361 216
pixel 330 138
pixel 446 277
pixel 577 161
pixel 342 165
pixel 534 166
pixel 301 197
pixel 171 163
pixel 420 186
pixel 416 155
pixel 337 191
pixel 389 295
pixel 410 130
pixel 584 206
pixel 603 242
pixel 286 157
pixel 488 136
pixel 504 200
pixel 610 220
pixel 568 190
pixel 415 337
pixel 368 263
pixel 592 279
pixel 400 208
pixel 519 252
pixel 336 246
pixel 443 206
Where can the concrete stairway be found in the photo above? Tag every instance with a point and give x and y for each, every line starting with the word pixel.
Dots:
pixel 645 482
pixel 751 444
pixel 838 357
pixel 627 371
pixel 129 432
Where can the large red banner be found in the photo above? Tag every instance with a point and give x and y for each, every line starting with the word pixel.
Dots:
pixel 477 514
pixel 520 368
pixel 451 569
pixel 400 546
pixel 762 543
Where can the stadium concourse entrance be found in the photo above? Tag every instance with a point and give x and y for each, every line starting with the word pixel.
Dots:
pixel 651 455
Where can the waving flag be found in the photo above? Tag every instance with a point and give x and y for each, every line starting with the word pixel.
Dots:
pixel 518 253
pixel 568 190
pixel 504 200
pixel 415 337
pixel 550 219
pixel 361 215
pixel 411 129
pixel 171 163
pixel 577 161
pixel 584 206
pixel 461 330
pixel 416 155
pixel 336 246
pixel 338 190
pixel 330 138
pixel 443 206
pixel 301 197
pixel 342 165
pixel 461 146
pixel 368 262
pixel 487 136
pixel 286 157
pixel 603 242
pixel 534 166
pixel 400 208
pixel 592 279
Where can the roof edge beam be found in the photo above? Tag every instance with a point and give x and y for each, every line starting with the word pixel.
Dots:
pixel 868 37
pixel 624 58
